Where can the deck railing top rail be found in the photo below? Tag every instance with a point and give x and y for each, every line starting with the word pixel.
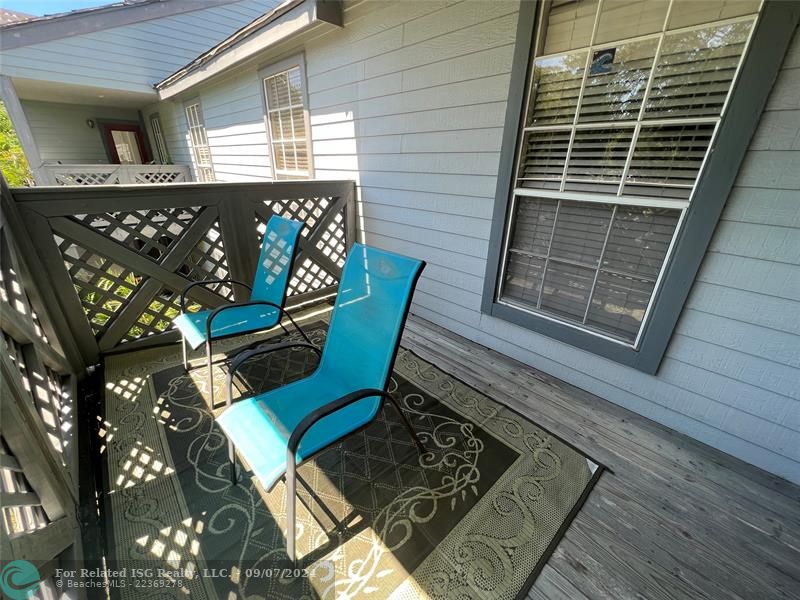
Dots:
pixel 117 256
pixel 99 174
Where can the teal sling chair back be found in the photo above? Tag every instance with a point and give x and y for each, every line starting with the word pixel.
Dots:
pixel 263 311
pixel 277 430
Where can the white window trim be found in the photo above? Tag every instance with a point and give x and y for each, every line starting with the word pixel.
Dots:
pixel 195 156
pixel 159 141
pixel 298 60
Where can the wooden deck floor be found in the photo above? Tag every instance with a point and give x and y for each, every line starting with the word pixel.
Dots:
pixel 672 519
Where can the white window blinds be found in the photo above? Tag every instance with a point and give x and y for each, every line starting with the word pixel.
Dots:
pixel 287 125
pixel 624 101
pixel 199 140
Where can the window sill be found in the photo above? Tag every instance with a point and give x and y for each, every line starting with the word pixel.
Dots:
pixel 644 359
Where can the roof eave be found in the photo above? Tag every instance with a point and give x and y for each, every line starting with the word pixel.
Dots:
pixel 87 20
pixel 288 19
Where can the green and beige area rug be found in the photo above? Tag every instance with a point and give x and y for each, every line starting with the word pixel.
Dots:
pixel 476 516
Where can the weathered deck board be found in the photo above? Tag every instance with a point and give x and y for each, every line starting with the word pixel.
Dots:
pixel 672 519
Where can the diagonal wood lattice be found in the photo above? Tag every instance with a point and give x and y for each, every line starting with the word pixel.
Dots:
pixel 207 261
pixel 157 317
pixel 39 387
pixel 108 291
pixel 128 259
pixel 129 251
pixel 324 218
pixel 103 286
pixel 93 177
pixel 150 232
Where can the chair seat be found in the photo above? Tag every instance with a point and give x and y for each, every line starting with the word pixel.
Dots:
pixel 260 427
pixel 234 321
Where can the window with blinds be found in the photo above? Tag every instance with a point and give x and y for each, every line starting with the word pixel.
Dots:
pixel 199 140
pixel 624 101
pixel 160 142
pixel 286 118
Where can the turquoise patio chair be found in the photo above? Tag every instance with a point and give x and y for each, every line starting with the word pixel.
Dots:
pixel 276 431
pixel 267 297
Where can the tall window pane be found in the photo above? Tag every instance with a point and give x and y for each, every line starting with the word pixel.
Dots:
pixel 287 127
pixel 160 142
pixel 624 102
pixel 199 141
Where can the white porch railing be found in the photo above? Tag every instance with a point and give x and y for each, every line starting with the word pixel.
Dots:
pixel 113 174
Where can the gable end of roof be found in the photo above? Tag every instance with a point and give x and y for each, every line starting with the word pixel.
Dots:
pixel 38 30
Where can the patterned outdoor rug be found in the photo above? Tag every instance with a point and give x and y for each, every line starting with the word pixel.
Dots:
pixel 475 517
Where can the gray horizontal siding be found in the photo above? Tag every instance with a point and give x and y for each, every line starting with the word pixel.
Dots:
pixel 234 119
pixel 234 114
pixel 409 100
pixel 411 105
pixel 132 57
pixel 61 132
pixel 174 128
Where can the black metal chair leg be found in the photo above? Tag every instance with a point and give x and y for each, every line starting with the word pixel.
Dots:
pixel 291 490
pixel 210 371
pixel 185 354
pixel 232 458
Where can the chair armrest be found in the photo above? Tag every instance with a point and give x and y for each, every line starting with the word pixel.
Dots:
pixel 323 411
pixel 243 357
pixel 208 282
pixel 282 311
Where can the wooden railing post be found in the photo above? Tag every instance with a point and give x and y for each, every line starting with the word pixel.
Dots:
pixel 60 295
pixel 236 218
pixel 36 418
pixel 351 218
pixel 124 175
pixel 39 285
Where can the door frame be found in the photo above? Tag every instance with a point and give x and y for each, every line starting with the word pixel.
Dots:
pixel 105 126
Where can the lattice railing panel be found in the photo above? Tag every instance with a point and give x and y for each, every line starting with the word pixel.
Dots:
pixel 18 520
pixel 10 288
pixel 93 177
pixel 151 233
pixel 103 286
pixel 62 407
pixel 41 366
pixel 207 260
pixel 309 277
pixel 332 242
pixel 129 254
pixel 160 177
pixel 13 292
pixel 45 392
pixel 87 174
pixel 159 314
pixel 309 210
pixel 15 354
pixel 37 326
